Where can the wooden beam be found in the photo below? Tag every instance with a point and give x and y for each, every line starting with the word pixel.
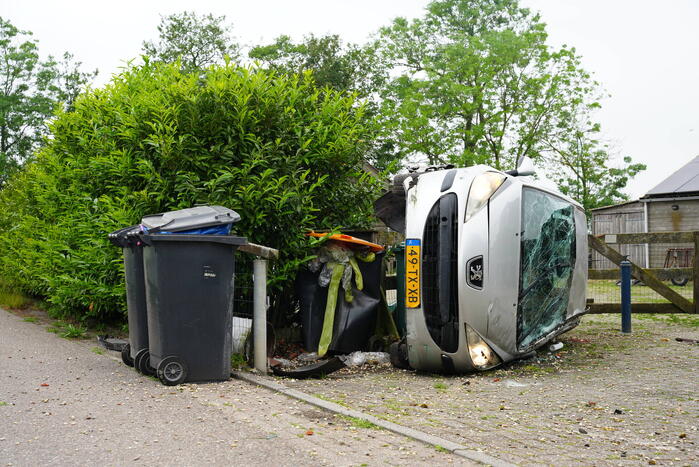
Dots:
pixel 696 272
pixel 651 237
pixel 259 250
pixel 659 273
pixel 648 278
pixel 636 308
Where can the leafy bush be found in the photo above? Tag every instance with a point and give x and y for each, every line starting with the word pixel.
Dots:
pixel 284 155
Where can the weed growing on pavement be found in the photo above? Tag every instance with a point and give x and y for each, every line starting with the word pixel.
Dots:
pixel 440 386
pixel 360 423
pixel 441 448
pixel 30 319
pixel 394 405
pixel 330 399
pixel 2 403
pixel 70 331
pixel 97 350
pixel 238 361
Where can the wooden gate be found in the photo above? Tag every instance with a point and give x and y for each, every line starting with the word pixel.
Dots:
pixel 606 245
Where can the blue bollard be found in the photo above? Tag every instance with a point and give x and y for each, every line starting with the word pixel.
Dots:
pixel 625 296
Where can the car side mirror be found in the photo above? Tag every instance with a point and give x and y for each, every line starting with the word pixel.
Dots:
pixel 525 168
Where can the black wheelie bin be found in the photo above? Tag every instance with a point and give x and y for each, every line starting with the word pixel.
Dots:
pixel 134 352
pixel 189 265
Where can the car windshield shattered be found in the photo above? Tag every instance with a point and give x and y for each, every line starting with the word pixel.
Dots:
pixel 546 265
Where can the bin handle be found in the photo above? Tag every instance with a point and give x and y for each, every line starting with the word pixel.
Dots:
pixel 144 238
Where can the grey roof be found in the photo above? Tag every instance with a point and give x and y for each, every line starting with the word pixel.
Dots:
pixel 683 181
pixel 623 203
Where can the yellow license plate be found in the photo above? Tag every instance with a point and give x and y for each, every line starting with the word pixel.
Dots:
pixel 412 273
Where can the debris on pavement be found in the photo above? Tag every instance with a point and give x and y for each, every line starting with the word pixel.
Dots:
pixel 358 358
pixel 556 346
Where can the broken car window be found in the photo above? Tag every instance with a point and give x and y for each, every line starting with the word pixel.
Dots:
pixel 546 264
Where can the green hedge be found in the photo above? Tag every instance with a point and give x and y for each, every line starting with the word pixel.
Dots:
pixel 280 152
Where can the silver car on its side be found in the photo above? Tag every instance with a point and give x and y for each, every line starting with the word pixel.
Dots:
pixel 496 266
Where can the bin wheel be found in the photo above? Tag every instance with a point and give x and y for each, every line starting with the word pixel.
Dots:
pixel 172 371
pixel 126 355
pixel 680 281
pixel 142 362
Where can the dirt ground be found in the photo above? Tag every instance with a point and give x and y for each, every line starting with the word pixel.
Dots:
pixel 605 398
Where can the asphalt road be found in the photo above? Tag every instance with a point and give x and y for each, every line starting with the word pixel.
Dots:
pixel 64 403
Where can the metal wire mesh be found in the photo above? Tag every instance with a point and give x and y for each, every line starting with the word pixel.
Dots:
pixel 241 326
pixel 609 291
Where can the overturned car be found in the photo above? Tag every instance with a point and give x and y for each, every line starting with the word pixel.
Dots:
pixel 496 266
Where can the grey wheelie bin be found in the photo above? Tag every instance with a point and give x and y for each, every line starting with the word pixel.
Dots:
pixel 134 352
pixel 189 293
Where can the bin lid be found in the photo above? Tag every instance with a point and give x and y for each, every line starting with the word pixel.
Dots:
pixel 189 219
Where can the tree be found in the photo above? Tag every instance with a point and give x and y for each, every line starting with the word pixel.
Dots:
pixel 474 82
pixel 30 91
pixel 580 163
pixel 197 41
pixel 340 67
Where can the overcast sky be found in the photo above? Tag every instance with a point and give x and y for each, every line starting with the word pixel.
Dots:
pixel 645 53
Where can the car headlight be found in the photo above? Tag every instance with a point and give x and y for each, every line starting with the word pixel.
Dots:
pixel 482 188
pixel 482 356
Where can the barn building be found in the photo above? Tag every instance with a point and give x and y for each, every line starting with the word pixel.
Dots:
pixel 671 206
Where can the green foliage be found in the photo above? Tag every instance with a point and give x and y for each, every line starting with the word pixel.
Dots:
pixel 340 67
pixel 196 41
pixel 67 330
pixel 30 90
pixel 580 163
pixel 275 149
pixel 12 300
pixel 238 361
pixel 473 81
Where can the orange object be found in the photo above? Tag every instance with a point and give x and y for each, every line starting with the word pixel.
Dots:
pixel 348 239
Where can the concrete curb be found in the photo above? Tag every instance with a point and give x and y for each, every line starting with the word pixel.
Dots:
pixel 431 440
